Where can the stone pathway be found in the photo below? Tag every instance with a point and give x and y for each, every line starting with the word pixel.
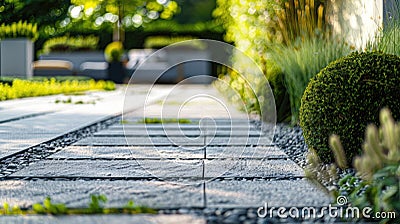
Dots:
pixel 220 160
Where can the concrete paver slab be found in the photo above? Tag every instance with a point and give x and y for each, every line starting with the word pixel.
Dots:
pixel 252 168
pixel 104 219
pixel 98 152
pixel 244 152
pixel 178 141
pixel 182 126
pixel 155 194
pixel 175 133
pixel 255 193
pixel 114 168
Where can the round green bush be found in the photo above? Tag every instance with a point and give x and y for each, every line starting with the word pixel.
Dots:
pixel 345 97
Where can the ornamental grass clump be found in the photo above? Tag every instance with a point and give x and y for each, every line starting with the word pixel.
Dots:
pixel 345 97
pixel 378 169
pixel 301 61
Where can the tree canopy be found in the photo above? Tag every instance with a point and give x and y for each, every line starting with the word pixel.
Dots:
pixel 58 16
pixel 128 12
pixel 43 12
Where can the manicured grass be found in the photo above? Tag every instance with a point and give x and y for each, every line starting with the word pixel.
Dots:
pixel 18 88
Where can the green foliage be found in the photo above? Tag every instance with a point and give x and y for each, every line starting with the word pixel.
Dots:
pixel 94 14
pixel 268 30
pixel 193 11
pixel 148 120
pixel 252 26
pixel 301 61
pixel 18 30
pixel 162 41
pixel 68 44
pixel 301 18
pixel 345 97
pixel 381 147
pixel 24 88
pixel 388 39
pixel 49 208
pixel 95 206
pixel 378 169
pixel 239 90
pixel 114 51
pixel 173 28
pixel 43 12
pixel 7 210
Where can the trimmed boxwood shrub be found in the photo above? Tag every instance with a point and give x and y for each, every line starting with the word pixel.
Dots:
pixel 345 97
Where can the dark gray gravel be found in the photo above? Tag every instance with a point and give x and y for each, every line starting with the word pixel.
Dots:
pixel 291 141
pixel 23 158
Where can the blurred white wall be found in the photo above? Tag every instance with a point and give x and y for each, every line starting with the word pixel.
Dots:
pixel 356 20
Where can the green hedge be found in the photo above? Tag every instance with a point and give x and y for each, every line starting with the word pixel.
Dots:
pixel 345 97
pixel 25 88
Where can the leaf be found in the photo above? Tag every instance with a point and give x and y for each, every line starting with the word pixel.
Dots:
pixel 38 208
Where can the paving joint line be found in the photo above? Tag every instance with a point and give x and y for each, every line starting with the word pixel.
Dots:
pixel 163 158
pixel 102 178
pixel 44 149
pixel 26 117
pixel 175 145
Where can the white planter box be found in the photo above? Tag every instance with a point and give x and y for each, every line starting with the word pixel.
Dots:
pixel 16 57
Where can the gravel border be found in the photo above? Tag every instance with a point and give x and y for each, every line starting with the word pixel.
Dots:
pixel 19 160
pixel 291 141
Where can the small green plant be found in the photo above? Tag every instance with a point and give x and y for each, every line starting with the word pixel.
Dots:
pixel 95 206
pixel 70 101
pixel 68 44
pixel 114 51
pixel 148 120
pixel 49 208
pixel 96 203
pixel 377 184
pixel 345 97
pixel 18 30
pixel 7 210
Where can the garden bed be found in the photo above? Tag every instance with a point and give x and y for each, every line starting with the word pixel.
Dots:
pixel 19 88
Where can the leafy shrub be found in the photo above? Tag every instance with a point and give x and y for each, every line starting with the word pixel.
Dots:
pixel 301 61
pixel 162 41
pixel 24 88
pixel 252 26
pixel 346 96
pixel 378 167
pixel 114 51
pixel 20 29
pixel 67 44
